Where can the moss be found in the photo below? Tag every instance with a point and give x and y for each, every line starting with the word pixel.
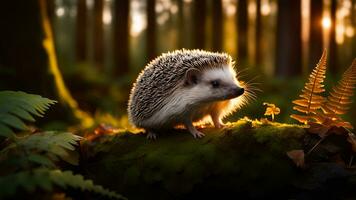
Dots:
pixel 247 156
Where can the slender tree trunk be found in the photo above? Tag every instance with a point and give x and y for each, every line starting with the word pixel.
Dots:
pixel 199 23
pixel 242 23
pixel 81 27
pixel 121 37
pixel 316 32
pixel 23 60
pixel 333 46
pixel 181 36
pixel 217 25
pixel 288 38
pixel 151 29
pixel 258 33
pixel 353 19
pixel 98 34
pixel 28 59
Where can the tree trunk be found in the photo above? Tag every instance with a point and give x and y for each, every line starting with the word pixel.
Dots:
pixel 181 37
pixel 24 62
pixel 288 38
pixel 217 25
pixel 81 27
pixel 151 29
pixel 121 37
pixel 199 23
pixel 333 46
pixel 98 34
pixel 22 57
pixel 242 23
pixel 316 32
pixel 258 34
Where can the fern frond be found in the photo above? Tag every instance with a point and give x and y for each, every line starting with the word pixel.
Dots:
pixel 339 99
pixel 46 179
pixel 58 144
pixel 15 107
pixel 310 99
pixel 54 144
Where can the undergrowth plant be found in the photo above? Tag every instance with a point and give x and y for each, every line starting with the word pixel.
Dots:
pixel 29 161
pixel 324 114
pixel 326 111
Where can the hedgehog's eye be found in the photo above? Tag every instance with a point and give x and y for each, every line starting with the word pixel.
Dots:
pixel 215 84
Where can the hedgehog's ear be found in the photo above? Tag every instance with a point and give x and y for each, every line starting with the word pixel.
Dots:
pixel 192 76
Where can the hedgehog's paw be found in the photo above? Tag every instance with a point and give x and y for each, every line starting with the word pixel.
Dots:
pixel 217 121
pixel 219 125
pixel 151 135
pixel 197 134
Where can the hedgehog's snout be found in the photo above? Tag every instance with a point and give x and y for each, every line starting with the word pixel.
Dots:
pixel 236 91
pixel 239 91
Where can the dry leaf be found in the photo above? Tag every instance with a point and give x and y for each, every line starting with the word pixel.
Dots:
pixel 352 139
pixel 104 129
pixel 100 130
pixel 319 129
pixel 297 157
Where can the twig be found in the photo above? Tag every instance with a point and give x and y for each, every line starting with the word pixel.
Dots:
pixel 350 162
pixel 315 145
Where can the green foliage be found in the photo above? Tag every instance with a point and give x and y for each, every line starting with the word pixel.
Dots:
pixel 15 107
pixel 29 162
pixel 45 179
pixel 53 144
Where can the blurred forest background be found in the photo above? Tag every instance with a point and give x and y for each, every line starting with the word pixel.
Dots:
pixel 102 45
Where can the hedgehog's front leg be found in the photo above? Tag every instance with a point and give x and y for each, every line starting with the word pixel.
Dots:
pixel 216 120
pixel 151 135
pixel 189 126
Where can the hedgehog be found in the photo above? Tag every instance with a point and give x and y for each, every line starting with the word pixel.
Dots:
pixel 185 87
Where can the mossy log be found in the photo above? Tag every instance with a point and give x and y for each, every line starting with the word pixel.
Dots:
pixel 246 159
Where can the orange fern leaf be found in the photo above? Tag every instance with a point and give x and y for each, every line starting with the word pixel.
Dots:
pixel 339 99
pixel 311 100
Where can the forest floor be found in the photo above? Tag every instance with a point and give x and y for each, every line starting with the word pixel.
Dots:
pixel 247 159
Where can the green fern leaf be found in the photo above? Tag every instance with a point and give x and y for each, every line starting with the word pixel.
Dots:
pixel 15 107
pixel 46 179
pixel 60 144
pixel 41 160
pixel 5 131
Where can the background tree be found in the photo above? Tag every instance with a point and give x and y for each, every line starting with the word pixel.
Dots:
pixel 121 37
pixel 242 24
pixel 199 23
pixel 288 38
pixel 151 29
pixel 217 25
pixel 316 36
pixel 333 45
pixel 258 33
pixel 98 34
pixel 81 27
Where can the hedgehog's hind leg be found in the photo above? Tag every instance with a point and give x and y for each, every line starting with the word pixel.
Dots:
pixel 151 135
pixel 189 126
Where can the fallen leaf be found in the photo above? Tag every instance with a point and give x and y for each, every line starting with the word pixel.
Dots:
pixel 352 139
pixel 320 129
pixel 104 129
pixel 297 157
